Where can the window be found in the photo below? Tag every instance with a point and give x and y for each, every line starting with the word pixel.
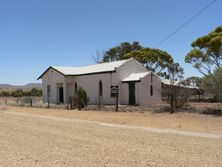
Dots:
pixel 100 88
pixel 151 77
pixel 75 87
pixel 151 90
pixel 48 90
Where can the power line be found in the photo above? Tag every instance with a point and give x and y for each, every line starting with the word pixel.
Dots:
pixel 187 22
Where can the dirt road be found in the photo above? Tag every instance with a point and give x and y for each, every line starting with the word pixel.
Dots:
pixel 46 140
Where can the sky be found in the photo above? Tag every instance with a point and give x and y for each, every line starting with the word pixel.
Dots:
pixel 36 34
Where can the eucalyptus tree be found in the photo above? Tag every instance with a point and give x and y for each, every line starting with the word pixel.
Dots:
pixel 155 60
pixel 206 54
pixel 118 52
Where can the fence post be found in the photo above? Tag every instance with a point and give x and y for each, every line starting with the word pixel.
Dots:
pixel 99 102
pixel 17 100
pixel 48 102
pixel 117 103
pixel 31 102
pixel 6 101
pixel 71 102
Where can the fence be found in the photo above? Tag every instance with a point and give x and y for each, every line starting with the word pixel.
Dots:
pixel 200 107
pixel 28 102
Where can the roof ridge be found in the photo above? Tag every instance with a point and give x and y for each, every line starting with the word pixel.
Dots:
pixel 89 69
pixel 112 62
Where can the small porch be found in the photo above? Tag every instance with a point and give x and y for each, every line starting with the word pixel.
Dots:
pixel 64 91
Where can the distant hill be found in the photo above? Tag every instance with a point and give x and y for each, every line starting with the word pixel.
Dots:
pixel 27 86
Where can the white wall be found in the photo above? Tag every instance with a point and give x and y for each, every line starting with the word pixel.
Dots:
pixel 51 77
pixel 143 94
pixel 91 85
pixel 124 94
pixel 131 66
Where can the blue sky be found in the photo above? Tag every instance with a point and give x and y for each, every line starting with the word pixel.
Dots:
pixel 35 34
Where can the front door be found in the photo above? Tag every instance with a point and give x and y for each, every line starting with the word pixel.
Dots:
pixel 132 97
pixel 61 96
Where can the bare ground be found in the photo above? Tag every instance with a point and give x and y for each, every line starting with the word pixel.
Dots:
pixel 50 138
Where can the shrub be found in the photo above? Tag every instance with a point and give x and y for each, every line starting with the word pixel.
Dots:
pixel 80 98
pixel 21 93
pixel 217 112
pixel 176 96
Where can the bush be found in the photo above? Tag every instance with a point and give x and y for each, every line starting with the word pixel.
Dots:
pixel 80 99
pixel 176 96
pixel 212 84
pixel 21 93
pixel 217 112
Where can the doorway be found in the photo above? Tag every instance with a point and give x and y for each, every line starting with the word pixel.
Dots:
pixel 61 96
pixel 132 97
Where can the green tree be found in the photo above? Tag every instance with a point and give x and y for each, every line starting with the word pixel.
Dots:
pixel 175 73
pixel 18 93
pixel 35 92
pixel 5 94
pixel 154 60
pixel 206 54
pixel 212 83
pixel 117 52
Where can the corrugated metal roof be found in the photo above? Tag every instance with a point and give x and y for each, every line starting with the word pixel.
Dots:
pixel 135 76
pixel 168 82
pixel 96 68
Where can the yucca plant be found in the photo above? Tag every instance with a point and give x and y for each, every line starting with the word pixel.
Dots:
pixel 80 98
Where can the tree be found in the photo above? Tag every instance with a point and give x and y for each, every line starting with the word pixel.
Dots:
pixel 5 94
pixel 154 60
pixel 98 57
pixel 175 73
pixel 212 83
pixel 18 93
pixel 117 52
pixel 35 92
pixel 206 54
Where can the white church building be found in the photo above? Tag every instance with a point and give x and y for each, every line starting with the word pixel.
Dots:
pixel 136 85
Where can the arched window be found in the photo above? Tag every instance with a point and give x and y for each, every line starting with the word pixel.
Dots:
pixel 100 88
pixel 151 90
pixel 48 90
pixel 75 87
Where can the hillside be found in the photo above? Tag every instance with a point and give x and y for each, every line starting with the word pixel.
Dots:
pixel 25 87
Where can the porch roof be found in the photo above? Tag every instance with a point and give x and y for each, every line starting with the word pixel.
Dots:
pixel 135 76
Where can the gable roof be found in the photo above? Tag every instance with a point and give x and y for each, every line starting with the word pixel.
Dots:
pixel 135 76
pixel 90 69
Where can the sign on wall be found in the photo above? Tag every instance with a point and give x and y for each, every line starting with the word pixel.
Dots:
pixel 114 91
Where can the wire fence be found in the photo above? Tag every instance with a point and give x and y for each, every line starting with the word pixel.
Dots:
pixel 200 107
pixel 27 102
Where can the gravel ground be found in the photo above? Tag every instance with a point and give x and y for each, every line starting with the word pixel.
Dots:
pixel 45 141
pixel 179 121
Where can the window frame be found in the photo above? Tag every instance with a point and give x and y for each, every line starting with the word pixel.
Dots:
pixel 49 91
pixel 100 88
pixel 75 87
pixel 151 90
